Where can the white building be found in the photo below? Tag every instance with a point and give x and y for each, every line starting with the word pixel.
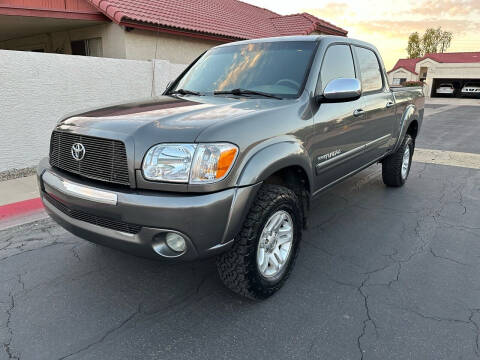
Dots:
pixel 435 69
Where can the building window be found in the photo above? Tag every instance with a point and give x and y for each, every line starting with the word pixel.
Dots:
pixel 399 81
pixel 89 47
pixel 423 73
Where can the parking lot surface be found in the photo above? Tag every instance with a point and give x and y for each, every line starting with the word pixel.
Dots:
pixel 382 274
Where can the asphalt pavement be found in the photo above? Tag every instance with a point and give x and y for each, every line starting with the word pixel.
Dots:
pixel 382 274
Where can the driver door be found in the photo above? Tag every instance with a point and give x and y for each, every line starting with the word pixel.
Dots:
pixel 340 135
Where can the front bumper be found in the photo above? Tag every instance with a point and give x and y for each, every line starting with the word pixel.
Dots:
pixel 137 219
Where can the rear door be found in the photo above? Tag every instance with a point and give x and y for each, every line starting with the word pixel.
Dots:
pixel 378 103
pixel 339 138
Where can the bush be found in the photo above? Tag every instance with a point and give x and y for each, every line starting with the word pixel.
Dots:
pixel 413 83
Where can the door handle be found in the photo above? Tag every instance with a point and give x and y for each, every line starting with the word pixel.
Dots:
pixel 358 112
pixel 389 104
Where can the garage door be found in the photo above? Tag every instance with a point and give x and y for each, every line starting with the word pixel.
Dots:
pixel 441 87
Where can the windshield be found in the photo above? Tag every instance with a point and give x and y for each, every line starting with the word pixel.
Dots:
pixel 278 68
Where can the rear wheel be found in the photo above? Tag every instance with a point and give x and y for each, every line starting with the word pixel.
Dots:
pixel 396 167
pixel 264 252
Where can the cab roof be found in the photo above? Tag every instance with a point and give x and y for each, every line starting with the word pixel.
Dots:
pixel 309 38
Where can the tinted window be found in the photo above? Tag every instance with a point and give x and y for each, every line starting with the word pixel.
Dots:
pixel 278 68
pixel 337 63
pixel 370 70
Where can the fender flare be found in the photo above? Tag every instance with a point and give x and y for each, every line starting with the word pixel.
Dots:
pixel 408 116
pixel 273 158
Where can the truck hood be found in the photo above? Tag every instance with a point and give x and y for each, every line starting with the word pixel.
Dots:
pixel 165 119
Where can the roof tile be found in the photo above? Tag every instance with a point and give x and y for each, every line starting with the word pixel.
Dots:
pixel 449 58
pixel 226 18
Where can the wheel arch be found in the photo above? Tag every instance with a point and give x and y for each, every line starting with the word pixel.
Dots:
pixel 287 164
pixel 409 122
pixel 281 158
pixel 412 129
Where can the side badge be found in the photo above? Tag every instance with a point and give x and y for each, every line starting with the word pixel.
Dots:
pixel 329 155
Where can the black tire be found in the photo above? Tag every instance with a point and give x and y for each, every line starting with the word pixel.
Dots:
pixel 238 266
pixel 392 164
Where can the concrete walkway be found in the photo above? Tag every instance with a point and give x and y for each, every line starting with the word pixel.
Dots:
pixel 19 202
pixel 453 101
pixel 16 190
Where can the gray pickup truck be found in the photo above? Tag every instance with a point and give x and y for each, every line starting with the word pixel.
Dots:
pixel 228 160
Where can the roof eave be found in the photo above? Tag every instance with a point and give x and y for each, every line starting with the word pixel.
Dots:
pixel 51 13
pixel 330 31
pixel 402 67
pixel 178 31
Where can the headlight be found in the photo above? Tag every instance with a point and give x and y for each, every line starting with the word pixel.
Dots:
pixel 212 162
pixel 194 163
pixel 169 162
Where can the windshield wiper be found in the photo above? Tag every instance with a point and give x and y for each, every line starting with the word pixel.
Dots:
pixel 246 92
pixel 185 92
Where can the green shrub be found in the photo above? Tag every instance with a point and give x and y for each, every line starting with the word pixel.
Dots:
pixel 413 83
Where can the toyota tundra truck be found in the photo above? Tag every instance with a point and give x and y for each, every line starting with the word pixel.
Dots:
pixel 228 160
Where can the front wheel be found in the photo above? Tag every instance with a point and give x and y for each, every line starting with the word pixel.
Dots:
pixel 396 167
pixel 264 252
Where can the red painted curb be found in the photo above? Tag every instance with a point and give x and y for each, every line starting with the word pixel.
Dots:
pixel 20 208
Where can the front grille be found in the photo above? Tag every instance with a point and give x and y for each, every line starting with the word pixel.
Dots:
pixel 92 219
pixel 104 159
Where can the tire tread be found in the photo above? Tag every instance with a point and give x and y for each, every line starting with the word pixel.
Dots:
pixel 237 266
pixel 392 164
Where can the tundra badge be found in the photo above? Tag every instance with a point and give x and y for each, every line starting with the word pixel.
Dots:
pixel 329 155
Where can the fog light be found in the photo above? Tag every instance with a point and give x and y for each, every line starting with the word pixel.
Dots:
pixel 176 242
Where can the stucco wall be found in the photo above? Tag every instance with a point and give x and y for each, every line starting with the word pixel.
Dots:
pixel 118 43
pixel 400 73
pixel 141 45
pixel 112 35
pixel 38 89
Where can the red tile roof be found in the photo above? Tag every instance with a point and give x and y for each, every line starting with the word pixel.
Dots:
pixel 458 57
pixel 304 24
pixel 230 19
pixel 407 64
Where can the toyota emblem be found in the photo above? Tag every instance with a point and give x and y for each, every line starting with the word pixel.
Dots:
pixel 78 151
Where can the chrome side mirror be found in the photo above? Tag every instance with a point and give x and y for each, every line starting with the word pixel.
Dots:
pixel 343 90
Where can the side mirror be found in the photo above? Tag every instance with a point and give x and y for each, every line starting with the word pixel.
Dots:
pixel 341 89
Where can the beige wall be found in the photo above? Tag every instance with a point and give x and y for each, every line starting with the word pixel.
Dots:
pixel 140 45
pixel 112 35
pixel 118 43
pixel 402 74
